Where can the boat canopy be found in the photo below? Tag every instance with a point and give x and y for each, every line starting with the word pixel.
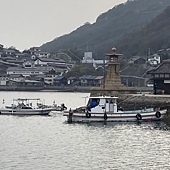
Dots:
pixel 102 104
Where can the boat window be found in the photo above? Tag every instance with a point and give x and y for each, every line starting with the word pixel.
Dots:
pixel 93 102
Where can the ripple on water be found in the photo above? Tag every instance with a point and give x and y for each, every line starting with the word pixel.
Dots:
pixel 47 143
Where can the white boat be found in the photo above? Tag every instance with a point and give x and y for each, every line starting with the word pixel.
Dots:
pixel 105 109
pixel 24 106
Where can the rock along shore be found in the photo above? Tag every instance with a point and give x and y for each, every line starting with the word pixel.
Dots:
pixel 144 100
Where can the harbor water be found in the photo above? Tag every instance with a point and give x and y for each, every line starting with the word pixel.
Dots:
pixel 50 143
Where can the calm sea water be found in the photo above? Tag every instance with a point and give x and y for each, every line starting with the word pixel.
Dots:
pixel 49 143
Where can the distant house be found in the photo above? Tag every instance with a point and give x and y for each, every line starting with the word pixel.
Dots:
pixel 154 60
pixel 23 56
pixel 47 61
pixel 87 80
pixel 39 77
pixel 87 58
pixel 43 54
pixel 72 81
pixel 3 80
pixel 49 77
pixel 161 78
pixel 34 50
pixel 10 79
pixel 29 71
pixel 137 60
pixel 28 64
pixel 16 77
pixel 133 81
pixel 9 52
pixel 60 81
pixel 98 81
pixel 26 83
pixel 134 76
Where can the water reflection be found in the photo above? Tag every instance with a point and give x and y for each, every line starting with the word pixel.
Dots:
pixel 157 125
pixel 48 143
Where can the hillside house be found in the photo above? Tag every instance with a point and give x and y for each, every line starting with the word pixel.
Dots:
pixel 42 54
pixel 25 83
pixel 47 61
pixel 73 81
pixel 137 60
pixel 27 72
pixel 49 77
pixel 60 81
pixel 154 60
pixel 34 50
pixel 87 80
pixel 87 58
pixel 28 64
pixel 16 77
pixel 98 81
pixel 3 80
pixel 134 76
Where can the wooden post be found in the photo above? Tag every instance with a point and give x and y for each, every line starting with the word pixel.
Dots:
pixel 166 117
pixel 70 116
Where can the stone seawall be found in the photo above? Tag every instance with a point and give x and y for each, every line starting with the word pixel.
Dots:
pixel 87 89
pixel 138 101
pixel 166 119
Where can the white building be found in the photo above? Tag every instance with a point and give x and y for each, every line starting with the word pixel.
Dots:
pixel 88 58
pixel 154 60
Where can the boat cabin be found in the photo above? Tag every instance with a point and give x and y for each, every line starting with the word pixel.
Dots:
pixel 102 104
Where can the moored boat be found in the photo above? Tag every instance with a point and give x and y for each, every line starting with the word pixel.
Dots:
pixel 105 109
pixel 24 106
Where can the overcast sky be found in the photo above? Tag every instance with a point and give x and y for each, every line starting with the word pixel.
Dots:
pixel 27 23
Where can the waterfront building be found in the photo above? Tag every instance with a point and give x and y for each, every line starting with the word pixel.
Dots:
pixel 160 77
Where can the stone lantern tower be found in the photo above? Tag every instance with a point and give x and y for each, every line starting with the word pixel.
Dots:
pixel 112 82
pixel 112 79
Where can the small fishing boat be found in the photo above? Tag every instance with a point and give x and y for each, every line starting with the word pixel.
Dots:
pixel 59 108
pixel 105 109
pixel 24 106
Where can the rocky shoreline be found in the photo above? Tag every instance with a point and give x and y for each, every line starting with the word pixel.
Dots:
pixel 144 100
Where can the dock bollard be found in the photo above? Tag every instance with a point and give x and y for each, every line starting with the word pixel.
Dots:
pixel 70 116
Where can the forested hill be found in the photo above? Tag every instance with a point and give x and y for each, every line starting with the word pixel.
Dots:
pixel 153 37
pixel 109 28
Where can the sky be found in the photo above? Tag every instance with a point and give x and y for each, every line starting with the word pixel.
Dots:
pixel 28 23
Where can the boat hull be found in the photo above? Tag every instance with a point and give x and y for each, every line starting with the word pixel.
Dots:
pixel 25 111
pixel 114 117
